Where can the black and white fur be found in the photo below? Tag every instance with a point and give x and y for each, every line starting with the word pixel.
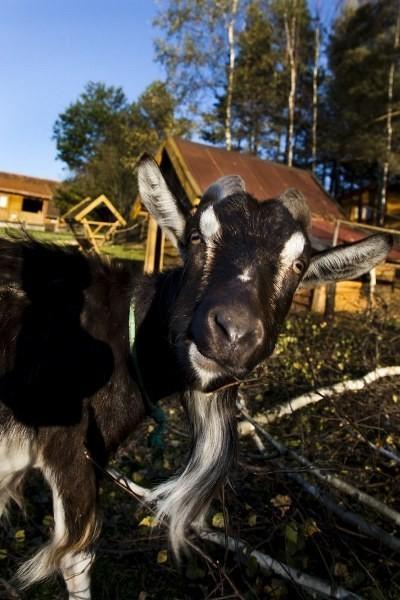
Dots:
pixel 67 382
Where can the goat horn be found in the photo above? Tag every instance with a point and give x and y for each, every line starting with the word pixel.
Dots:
pixel 296 204
pixel 223 187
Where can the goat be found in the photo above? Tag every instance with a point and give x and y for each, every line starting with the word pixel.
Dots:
pixel 69 385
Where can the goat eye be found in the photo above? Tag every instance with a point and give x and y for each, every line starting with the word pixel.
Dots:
pixel 195 237
pixel 298 266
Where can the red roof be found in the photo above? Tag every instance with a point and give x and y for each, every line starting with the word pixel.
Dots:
pixel 266 179
pixel 24 185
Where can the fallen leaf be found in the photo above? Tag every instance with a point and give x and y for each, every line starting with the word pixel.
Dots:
pixel 162 556
pixel 218 520
pixel 283 503
pixel 148 521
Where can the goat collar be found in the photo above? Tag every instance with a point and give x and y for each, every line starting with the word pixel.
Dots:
pixel 156 438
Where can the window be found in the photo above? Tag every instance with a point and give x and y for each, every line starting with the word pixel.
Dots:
pixel 3 201
pixel 32 205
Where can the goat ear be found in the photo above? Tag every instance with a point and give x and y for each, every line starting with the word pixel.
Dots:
pixel 347 262
pixel 159 201
pixel 223 187
pixel 296 204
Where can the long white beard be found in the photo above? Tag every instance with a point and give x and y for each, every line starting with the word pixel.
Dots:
pixel 186 497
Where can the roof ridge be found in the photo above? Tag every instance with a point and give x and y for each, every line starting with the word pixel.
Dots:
pixel 241 153
pixel 32 177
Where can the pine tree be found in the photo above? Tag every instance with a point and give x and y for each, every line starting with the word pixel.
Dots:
pixel 361 51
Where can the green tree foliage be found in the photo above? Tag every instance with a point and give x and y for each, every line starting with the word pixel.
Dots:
pixel 255 88
pixel 360 53
pixel 194 49
pixel 98 116
pixel 101 136
pixel 262 83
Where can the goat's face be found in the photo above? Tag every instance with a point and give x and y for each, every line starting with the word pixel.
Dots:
pixel 243 261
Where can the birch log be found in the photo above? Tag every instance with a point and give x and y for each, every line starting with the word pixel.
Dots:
pixel 268 564
pixel 352 385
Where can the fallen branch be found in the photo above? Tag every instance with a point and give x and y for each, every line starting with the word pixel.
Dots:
pixel 268 564
pixel 327 478
pixel 128 484
pixel 325 392
pixel 326 499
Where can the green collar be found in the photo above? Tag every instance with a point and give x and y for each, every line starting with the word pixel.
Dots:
pixel 156 438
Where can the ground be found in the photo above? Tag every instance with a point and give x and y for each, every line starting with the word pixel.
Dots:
pixel 263 505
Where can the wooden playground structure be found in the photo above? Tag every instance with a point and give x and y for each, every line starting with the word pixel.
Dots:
pixel 90 233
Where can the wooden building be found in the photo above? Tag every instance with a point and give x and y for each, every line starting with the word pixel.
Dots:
pixel 27 200
pixel 189 168
pixel 361 205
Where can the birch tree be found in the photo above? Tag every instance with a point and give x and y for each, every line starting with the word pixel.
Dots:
pixel 291 33
pixel 315 73
pixel 231 73
pixel 198 50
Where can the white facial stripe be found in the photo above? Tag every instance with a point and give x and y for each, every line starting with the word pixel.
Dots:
pixel 245 276
pixel 291 250
pixel 209 224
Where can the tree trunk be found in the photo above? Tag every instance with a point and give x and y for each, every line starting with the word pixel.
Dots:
pixel 389 126
pixel 231 71
pixel 317 45
pixel 291 50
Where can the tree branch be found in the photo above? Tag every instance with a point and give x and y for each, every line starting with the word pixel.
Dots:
pixel 267 564
pixel 325 392
pixel 328 479
pixel 326 499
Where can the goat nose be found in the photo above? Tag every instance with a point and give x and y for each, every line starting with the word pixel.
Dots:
pixel 235 327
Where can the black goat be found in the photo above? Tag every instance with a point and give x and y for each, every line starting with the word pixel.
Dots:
pixel 68 384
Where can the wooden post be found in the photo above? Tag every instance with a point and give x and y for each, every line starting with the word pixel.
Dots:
pixel 372 286
pixel 318 303
pixel 149 262
pixel 331 287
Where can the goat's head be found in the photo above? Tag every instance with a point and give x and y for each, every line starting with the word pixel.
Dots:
pixel 244 260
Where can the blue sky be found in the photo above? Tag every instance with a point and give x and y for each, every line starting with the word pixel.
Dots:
pixel 49 50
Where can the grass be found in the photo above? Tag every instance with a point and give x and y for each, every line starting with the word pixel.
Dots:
pixel 64 237
pixel 121 251
pixel 125 251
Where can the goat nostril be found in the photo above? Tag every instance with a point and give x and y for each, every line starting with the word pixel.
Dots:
pixel 237 328
pixel 225 324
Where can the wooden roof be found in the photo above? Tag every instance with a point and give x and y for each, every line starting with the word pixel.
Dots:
pixel 198 165
pixel 24 185
pixel 85 207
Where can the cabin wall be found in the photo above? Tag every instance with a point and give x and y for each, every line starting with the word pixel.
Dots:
pixel 12 210
pixel 357 296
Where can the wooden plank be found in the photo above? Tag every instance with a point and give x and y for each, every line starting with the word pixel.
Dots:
pixel 386 272
pixel 87 209
pixel 150 246
pixel 351 296
pixel 114 211
pixel 186 179
pixel 90 237
pixel 318 302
